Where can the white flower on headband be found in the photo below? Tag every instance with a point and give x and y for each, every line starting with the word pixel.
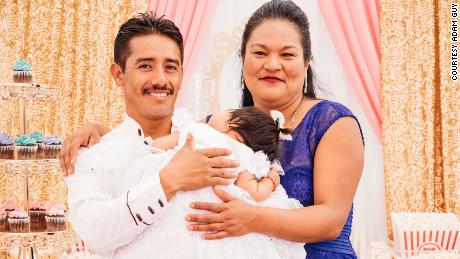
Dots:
pixel 260 164
pixel 277 165
pixel 279 117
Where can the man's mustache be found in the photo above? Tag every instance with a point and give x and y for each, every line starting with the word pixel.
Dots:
pixel 159 88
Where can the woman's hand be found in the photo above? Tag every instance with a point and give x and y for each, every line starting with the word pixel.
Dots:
pixel 86 136
pixel 231 218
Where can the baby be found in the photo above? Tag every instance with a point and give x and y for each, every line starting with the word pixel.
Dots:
pixel 251 127
pixel 253 137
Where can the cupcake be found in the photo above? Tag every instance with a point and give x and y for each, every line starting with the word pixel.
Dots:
pixel 2 220
pixel 39 136
pixel 52 146
pixel 18 221
pixel 55 218
pixel 6 146
pixel 37 217
pixel 8 207
pixel 22 72
pixel 26 147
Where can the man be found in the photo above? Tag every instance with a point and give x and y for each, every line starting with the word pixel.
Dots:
pixel 106 213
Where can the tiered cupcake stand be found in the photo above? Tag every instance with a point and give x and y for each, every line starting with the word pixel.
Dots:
pixel 32 242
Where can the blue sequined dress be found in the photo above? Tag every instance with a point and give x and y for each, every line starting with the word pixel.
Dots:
pixel 297 158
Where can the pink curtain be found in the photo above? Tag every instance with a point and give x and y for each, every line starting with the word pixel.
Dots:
pixel 354 28
pixel 192 17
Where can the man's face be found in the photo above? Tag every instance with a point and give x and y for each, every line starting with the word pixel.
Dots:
pixel 152 77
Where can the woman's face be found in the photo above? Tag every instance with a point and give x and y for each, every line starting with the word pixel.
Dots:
pixel 273 67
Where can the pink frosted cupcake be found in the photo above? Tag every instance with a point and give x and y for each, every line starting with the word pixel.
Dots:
pixel 18 221
pixel 37 212
pixel 8 207
pixel 55 218
pixel 2 220
pixel 37 217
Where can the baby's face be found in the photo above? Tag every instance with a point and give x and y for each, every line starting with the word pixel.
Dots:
pixel 219 121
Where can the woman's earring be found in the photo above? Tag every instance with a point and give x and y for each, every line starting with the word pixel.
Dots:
pixel 305 86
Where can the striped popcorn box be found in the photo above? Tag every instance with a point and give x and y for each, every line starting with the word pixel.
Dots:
pixel 416 233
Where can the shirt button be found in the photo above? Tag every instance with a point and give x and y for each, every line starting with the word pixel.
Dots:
pixel 139 131
pixel 160 202
pixel 139 217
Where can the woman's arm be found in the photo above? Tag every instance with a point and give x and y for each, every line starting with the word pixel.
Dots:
pixel 338 163
pixel 86 136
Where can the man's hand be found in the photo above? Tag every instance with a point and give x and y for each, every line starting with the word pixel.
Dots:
pixel 193 169
pixel 86 136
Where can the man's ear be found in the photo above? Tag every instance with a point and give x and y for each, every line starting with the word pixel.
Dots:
pixel 181 77
pixel 117 74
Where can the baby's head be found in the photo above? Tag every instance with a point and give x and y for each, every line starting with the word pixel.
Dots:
pixel 250 126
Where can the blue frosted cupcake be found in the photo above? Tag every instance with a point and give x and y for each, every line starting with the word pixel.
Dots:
pixel 22 72
pixel 27 147
pixel 39 137
pixel 6 146
pixel 52 146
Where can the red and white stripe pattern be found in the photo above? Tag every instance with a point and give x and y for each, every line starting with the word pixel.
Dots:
pixel 429 240
pixel 416 232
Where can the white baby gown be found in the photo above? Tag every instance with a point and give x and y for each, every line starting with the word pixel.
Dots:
pixel 169 237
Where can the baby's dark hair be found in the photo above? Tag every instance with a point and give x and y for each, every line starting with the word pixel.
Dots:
pixel 259 130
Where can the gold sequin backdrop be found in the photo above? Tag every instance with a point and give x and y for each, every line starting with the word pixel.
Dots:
pixel 70 46
pixel 420 107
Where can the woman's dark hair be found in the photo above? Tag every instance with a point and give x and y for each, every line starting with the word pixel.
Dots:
pixel 280 10
pixel 144 24
pixel 259 131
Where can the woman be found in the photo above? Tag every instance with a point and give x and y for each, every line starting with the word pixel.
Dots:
pixel 324 160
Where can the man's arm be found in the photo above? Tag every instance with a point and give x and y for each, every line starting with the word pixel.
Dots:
pixel 107 221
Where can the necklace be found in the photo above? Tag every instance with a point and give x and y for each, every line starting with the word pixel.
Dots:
pixel 293 115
